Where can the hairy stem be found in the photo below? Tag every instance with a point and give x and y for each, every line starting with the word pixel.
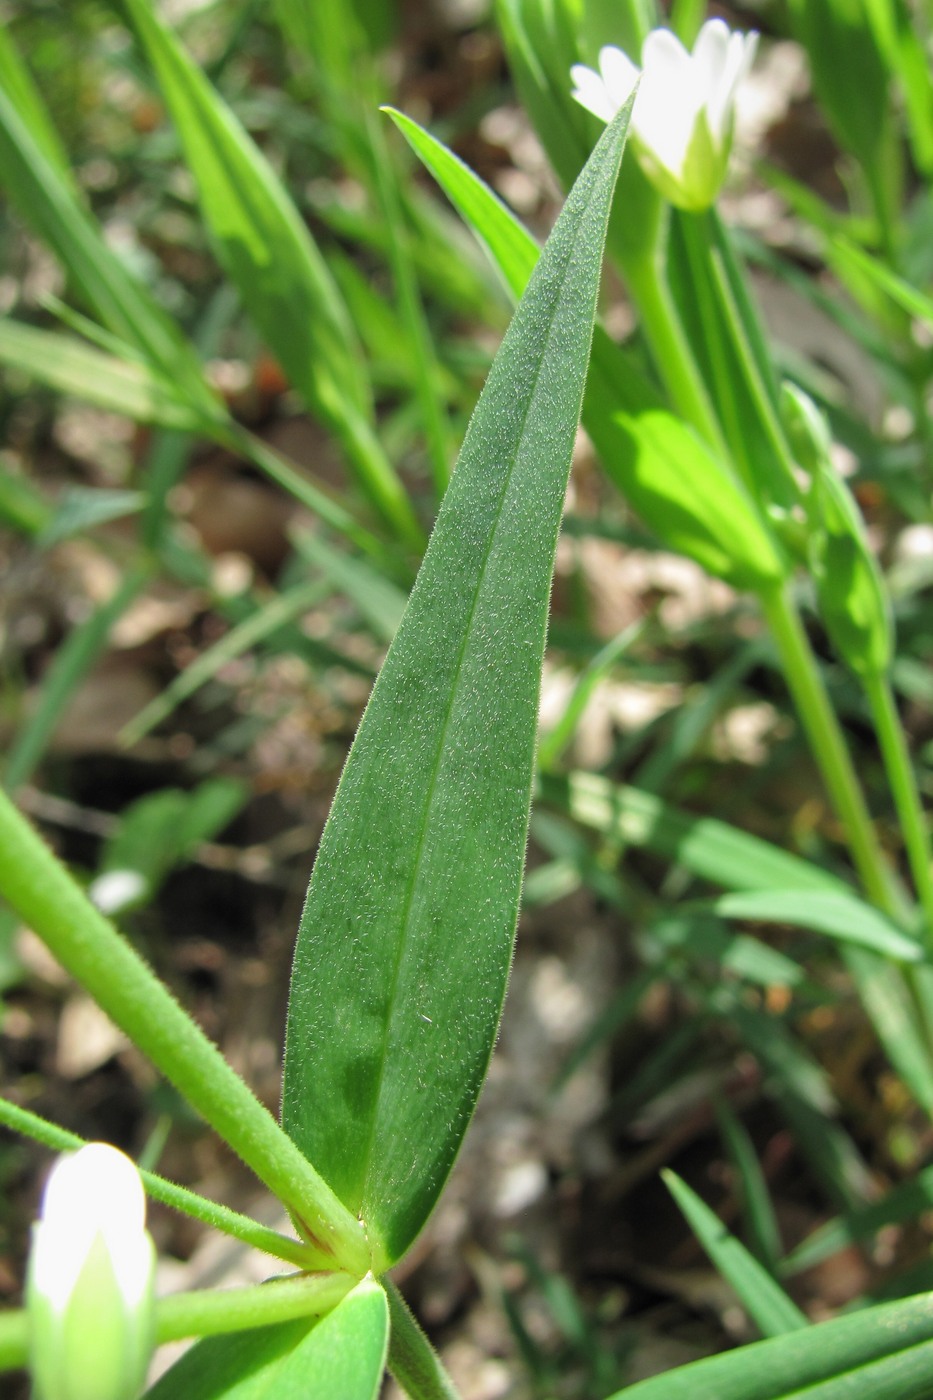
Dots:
pixel 46 897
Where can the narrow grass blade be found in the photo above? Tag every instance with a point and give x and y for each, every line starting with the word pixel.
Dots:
pixel 885 996
pixel 16 80
pixel 709 848
pixel 378 599
pixel 761 1222
pixel 46 200
pixel 73 367
pixel 840 916
pixel 511 248
pixel 764 1300
pixel 781 1367
pixel 255 628
pixel 405 942
pixel 269 255
pixel 231 1222
pixel 46 897
pixel 903 1203
pixel 72 662
pixel 803 1094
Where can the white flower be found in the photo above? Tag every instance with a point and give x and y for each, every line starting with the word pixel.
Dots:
pixel 89 1289
pixel 684 112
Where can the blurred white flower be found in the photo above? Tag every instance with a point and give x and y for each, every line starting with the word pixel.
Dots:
pixel 684 112
pixel 116 890
pixel 89 1290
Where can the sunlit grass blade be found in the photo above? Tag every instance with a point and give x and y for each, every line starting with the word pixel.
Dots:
pixel 761 1226
pixel 764 1300
pixel 709 848
pixel 46 200
pixel 839 916
pixel 405 942
pixel 511 248
pixel 16 81
pixel 71 366
pixel 269 255
pixel 781 1368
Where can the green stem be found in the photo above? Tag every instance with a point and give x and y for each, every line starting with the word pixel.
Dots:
pixel 412 1360
pixel 46 897
pixel 231 1222
pixel 210 1312
pixel 14 1340
pixel 828 746
pixel 670 349
pixel 904 790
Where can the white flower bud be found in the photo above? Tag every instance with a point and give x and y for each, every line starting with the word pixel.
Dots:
pixel 89 1289
pixel 684 113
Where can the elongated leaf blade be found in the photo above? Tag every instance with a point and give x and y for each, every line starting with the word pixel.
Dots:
pixel 70 365
pixel 659 463
pixel 46 199
pixel 782 1367
pixel 707 847
pixel 839 915
pixel 510 246
pixel 763 1299
pixel 406 937
pixel 272 260
pixel 342 1354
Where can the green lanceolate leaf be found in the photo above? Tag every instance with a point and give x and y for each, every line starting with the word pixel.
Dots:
pixel 341 1355
pixel 657 461
pixel 406 937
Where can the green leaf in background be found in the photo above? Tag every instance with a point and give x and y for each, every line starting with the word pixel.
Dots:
pixel 707 847
pixel 16 80
pixel 46 200
pixel 894 1337
pixel 80 508
pixel 271 258
pixel 850 77
pixel 406 937
pixel 849 590
pixel 839 915
pixel 339 1357
pixel 761 1297
pixel 71 366
pixel 657 461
